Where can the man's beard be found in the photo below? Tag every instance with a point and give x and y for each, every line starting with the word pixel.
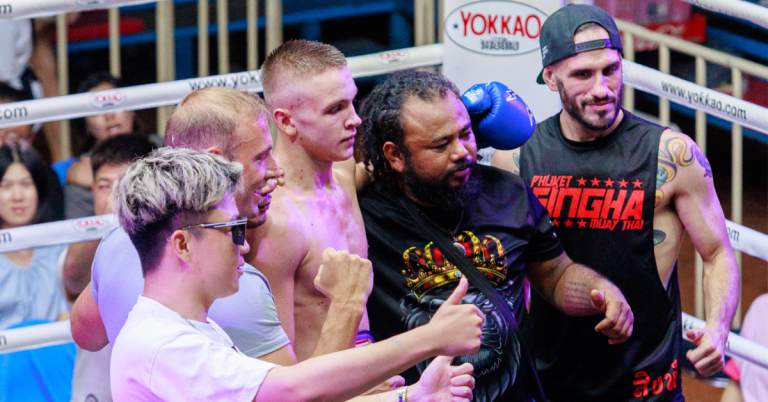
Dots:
pixel 439 193
pixel 577 111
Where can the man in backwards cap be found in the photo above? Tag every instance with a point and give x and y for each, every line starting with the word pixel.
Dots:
pixel 622 192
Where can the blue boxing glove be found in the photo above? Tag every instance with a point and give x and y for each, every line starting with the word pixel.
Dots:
pixel 500 119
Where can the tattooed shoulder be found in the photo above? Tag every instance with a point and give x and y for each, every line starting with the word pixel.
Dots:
pixel 674 152
pixel 658 237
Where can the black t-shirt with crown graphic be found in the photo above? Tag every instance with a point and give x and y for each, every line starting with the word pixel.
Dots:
pixel 504 227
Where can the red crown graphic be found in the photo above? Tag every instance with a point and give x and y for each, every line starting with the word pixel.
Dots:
pixel 426 269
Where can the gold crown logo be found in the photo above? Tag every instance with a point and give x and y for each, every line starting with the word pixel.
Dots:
pixel 426 269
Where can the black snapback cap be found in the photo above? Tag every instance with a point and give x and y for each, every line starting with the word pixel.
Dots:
pixel 556 39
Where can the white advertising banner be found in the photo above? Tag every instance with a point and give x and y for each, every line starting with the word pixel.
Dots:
pixel 171 93
pixel 14 9
pixel 498 40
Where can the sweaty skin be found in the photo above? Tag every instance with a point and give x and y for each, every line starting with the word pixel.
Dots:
pixel 316 209
pixel 685 193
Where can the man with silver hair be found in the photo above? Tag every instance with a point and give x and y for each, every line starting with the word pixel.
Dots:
pixel 179 210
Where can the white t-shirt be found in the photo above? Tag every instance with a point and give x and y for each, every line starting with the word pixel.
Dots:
pixel 160 356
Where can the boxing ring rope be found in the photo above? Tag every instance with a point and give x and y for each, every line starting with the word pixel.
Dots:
pixel 165 52
pixel 70 231
pixel 170 93
pixel 15 9
pixel 739 9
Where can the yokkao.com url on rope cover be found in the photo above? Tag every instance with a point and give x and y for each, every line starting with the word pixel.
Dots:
pixel 703 98
pixel 233 81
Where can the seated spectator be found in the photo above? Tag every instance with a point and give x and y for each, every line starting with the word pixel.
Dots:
pixel 92 130
pixel 749 382
pixel 26 137
pixel 109 160
pixel 30 288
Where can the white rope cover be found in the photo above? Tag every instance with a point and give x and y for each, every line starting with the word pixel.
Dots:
pixel 36 336
pixel 734 8
pixel 694 96
pixel 70 231
pixel 61 232
pixel 748 240
pixel 171 93
pixel 14 9
pixel 736 346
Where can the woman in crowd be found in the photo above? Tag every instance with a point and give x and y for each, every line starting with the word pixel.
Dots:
pixel 91 130
pixel 30 281
pixel 76 174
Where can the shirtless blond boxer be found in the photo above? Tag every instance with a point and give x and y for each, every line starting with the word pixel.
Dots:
pixel 310 92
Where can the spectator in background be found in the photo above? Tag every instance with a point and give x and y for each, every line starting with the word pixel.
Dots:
pixel 76 174
pixel 90 131
pixel 749 382
pixel 28 65
pixel 25 136
pixel 109 160
pixel 30 288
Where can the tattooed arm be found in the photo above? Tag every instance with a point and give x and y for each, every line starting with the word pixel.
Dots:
pixel 694 198
pixel 507 160
pixel 579 291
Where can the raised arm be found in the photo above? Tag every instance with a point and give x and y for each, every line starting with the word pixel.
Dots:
pixel 347 281
pixel 694 197
pixel 579 291
pixel 279 254
pixel 455 330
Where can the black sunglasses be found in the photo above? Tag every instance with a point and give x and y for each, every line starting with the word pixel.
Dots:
pixel 238 228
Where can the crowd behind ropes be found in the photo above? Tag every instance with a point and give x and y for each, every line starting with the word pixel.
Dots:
pixel 247 268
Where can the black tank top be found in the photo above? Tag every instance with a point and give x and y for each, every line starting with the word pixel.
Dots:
pixel 600 195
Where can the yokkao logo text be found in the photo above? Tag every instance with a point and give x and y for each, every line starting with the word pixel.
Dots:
pixel 502 28
pixel 392 57
pixel 90 224
pixel 106 99
pixel 89 2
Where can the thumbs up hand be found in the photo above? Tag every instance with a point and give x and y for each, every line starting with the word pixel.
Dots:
pixel 457 328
